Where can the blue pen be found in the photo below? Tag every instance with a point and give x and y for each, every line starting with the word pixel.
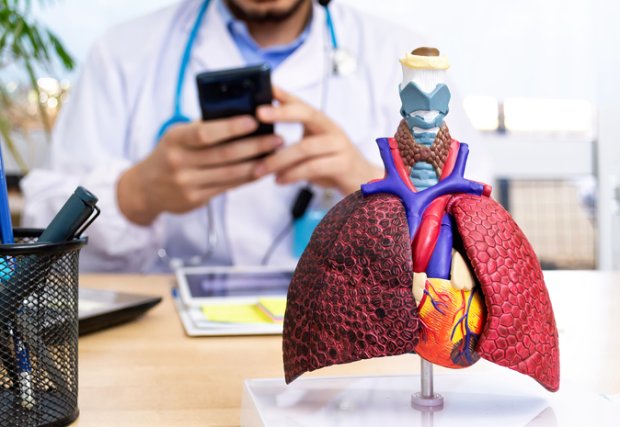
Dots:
pixel 24 368
pixel 6 227
pixel 26 392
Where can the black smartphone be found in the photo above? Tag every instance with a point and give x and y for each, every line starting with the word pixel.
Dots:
pixel 233 92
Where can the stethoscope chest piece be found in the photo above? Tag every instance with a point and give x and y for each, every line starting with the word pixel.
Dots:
pixel 344 62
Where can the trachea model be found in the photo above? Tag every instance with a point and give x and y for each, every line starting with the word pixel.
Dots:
pixel 422 260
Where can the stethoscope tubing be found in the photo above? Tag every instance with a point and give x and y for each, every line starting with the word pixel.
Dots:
pixel 177 114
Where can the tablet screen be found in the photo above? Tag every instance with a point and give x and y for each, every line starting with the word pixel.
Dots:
pixel 238 284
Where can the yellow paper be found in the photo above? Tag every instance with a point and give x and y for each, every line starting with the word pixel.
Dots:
pixel 235 313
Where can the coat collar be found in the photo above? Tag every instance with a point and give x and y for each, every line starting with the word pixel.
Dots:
pixel 215 49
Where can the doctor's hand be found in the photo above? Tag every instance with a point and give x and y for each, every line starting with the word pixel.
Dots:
pixel 192 163
pixel 325 156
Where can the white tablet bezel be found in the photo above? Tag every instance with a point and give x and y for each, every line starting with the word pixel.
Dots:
pixel 190 301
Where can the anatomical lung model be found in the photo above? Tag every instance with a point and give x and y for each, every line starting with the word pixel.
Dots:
pixel 422 260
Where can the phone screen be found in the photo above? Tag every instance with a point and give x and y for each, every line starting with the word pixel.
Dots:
pixel 234 92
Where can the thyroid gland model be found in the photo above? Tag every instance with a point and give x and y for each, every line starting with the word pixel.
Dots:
pixel 423 260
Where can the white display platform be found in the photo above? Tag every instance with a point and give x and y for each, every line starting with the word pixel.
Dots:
pixel 496 397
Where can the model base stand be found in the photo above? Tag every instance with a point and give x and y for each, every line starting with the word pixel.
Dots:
pixel 488 396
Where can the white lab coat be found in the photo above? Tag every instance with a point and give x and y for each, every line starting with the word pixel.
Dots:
pixel 125 93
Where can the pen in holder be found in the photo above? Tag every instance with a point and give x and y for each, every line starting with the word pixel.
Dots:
pixel 38 331
pixel 39 315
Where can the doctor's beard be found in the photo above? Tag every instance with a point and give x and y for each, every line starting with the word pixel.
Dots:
pixel 248 14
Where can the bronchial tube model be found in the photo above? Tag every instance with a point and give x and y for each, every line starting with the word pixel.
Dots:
pixel 423 260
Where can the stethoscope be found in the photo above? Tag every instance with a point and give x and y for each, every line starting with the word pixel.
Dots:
pixel 343 63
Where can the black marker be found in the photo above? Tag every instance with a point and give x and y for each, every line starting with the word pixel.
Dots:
pixel 70 221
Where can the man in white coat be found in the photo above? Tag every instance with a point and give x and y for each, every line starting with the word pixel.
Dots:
pixel 154 192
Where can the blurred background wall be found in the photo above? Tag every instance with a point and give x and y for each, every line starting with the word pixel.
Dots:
pixel 512 62
pixel 526 48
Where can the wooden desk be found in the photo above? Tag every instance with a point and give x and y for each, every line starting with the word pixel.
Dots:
pixel 148 373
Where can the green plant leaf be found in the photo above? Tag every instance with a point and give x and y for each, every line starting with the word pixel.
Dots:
pixel 64 56
pixel 31 46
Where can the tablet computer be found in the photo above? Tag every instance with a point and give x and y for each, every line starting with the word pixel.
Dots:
pixel 99 309
pixel 199 286
pixel 232 300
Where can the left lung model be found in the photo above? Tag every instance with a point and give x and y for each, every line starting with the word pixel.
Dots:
pixel 422 260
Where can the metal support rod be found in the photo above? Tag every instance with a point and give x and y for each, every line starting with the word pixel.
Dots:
pixel 426 379
pixel 426 400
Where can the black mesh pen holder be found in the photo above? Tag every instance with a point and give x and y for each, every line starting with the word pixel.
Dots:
pixel 38 331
